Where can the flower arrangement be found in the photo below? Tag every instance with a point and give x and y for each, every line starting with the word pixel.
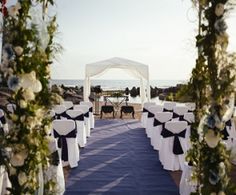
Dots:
pixel 212 87
pixel 26 56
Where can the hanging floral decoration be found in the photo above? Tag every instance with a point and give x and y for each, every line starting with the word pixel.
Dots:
pixel 27 52
pixel 212 86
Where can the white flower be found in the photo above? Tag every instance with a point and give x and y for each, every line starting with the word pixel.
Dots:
pixel 18 159
pixel 23 104
pixel 13 83
pixel 12 171
pixel 13 11
pixel 219 9
pixel 18 50
pixel 37 86
pixel 22 178
pixel 221 169
pixel 28 94
pixel 212 139
pixel 221 193
pixel 29 80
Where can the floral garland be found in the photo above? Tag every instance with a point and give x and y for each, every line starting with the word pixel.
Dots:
pixel 212 88
pixel 27 52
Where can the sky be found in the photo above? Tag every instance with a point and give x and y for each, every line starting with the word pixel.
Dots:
pixel 158 33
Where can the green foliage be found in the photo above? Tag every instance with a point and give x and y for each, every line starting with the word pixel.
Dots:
pixel 27 55
pixel 212 88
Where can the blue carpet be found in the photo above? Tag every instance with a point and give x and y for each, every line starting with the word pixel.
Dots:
pixel 118 160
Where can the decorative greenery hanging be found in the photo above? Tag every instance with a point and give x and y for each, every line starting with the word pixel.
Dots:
pixel 27 52
pixel 212 87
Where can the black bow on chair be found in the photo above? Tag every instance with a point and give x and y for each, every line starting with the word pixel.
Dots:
pixel 3 120
pixel 91 109
pixel 157 122
pixel 224 132
pixel 59 115
pixel 167 110
pixel 177 148
pixel 76 118
pixel 145 110
pixel 62 143
pixel 181 117
pixel 150 115
pixel 86 114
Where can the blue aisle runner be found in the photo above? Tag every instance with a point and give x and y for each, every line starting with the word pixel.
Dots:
pixel 118 159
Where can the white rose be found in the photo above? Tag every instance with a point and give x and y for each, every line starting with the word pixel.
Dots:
pixel 12 171
pixel 28 94
pixel 13 11
pixel 212 139
pixel 22 178
pixel 23 104
pixel 17 160
pixel 219 9
pixel 28 79
pixel 221 169
pixel 37 86
pixel 221 193
pixel 19 50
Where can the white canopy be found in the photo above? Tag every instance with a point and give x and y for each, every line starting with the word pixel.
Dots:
pixel 136 69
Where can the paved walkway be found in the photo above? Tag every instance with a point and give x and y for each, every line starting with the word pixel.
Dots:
pixel 118 160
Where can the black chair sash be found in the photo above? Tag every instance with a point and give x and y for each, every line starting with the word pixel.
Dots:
pixel 177 148
pixel 145 110
pixel 76 118
pixel 3 120
pixel 91 109
pixel 62 142
pixel 150 115
pixel 175 115
pixel 224 132
pixel 86 114
pixel 167 110
pixel 59 115
pixel 157 122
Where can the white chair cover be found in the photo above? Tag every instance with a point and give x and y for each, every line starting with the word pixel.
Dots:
pixel 191 106
pixel 152 110
pixel 4 181
pixel 162 117
pixel 85 110
pixel 78 116
pixel 179 111
pixel 170 158
pixel 55 172
pixel 68 104
pixel 91 116
pixel 186 186
pixel 145 113
pixel 64 127
pixel 60 111
pixel 190 118
pixel 169 106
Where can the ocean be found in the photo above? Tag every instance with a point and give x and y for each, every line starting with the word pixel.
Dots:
pixel 118 84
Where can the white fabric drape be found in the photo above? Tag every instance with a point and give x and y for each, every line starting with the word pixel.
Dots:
pixel 138 70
